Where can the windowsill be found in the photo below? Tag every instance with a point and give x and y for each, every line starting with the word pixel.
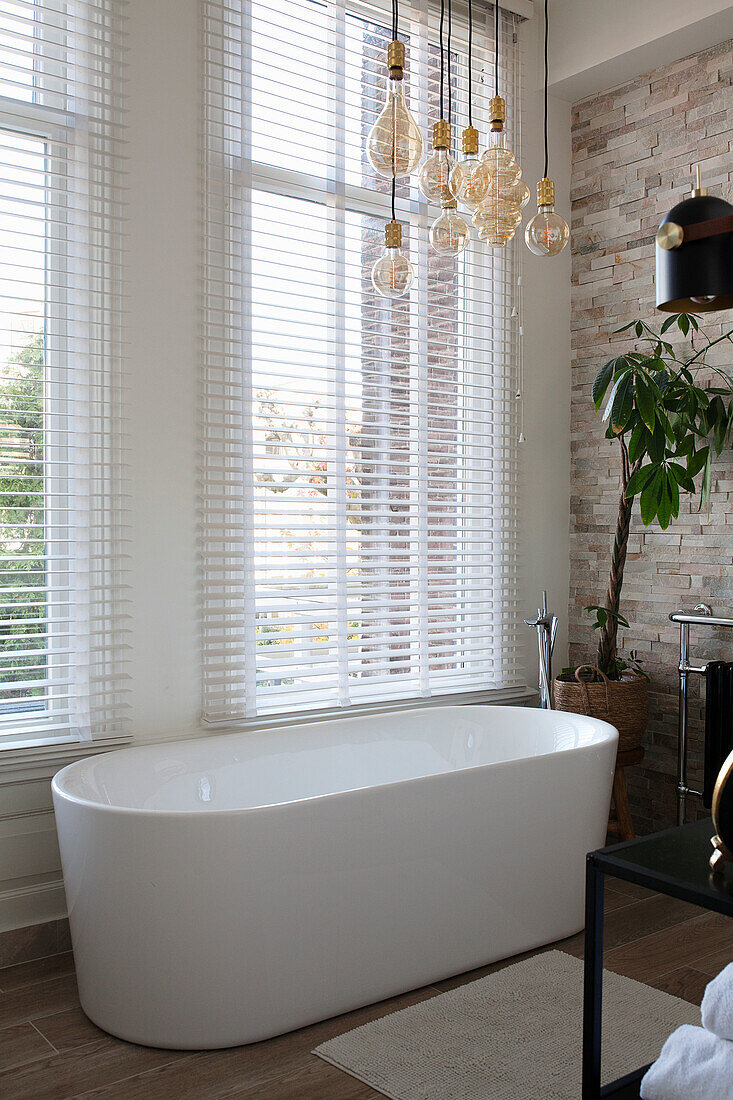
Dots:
pixel 50 754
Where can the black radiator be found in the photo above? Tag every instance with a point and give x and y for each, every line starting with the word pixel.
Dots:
pixel 718 722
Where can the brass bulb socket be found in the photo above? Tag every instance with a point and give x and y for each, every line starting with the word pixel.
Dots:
pixel 396 59
pixel 497 113
pixel 441 134
pixel 448 200
pixel 545 192
pixel 469 141
pixel 393 235
pixel 698 190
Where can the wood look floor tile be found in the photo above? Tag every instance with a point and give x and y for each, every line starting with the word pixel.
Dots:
pixel 21 1043
pixel 40 970
pixel 64 1076
pixel 712 964
pixel 69 1030
pixel 219 1074
pixel 31 1002
pixel 672 947
pixel 315 1081
pixel 34 942
pixel 685 982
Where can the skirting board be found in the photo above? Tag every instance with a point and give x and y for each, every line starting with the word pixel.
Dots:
pixel 33 905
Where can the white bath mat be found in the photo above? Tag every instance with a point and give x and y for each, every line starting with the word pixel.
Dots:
pixel 514 1035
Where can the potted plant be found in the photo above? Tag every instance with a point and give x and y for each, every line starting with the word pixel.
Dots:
pixel 669 423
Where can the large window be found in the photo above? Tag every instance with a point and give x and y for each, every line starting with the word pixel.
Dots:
pixel 58 451
pixel 359 519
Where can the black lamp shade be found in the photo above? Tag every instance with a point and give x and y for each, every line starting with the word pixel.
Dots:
pixel 697 277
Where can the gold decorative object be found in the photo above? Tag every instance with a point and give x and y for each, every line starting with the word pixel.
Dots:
pixel 722 810
pixel 670 235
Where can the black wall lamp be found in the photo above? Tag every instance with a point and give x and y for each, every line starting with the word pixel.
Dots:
pixel 695 255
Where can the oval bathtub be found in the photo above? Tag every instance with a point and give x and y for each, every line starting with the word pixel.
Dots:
pixel 234 887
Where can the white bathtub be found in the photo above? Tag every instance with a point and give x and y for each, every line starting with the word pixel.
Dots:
pixel 235 887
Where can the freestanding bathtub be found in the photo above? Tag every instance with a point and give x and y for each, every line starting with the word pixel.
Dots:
pixel 230 888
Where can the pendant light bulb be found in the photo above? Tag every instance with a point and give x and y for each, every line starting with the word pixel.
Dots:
pixel 548 232
pixel 392 273
pixel 449 233
pixel 436 171
pixel 394 144
pixel 471 177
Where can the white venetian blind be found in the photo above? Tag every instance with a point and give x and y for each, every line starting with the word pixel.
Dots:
pixel 60 528
pixel 359 466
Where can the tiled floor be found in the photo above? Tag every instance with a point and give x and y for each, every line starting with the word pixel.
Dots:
pixel 50 1051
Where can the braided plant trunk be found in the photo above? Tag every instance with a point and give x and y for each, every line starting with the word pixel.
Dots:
pixel 607 640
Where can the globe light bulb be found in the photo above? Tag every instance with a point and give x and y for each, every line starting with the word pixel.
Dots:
pixel 392 273
pixel 470 178
pixel 394 144
pixel 547 233
pixel 449 233
pixel 436 171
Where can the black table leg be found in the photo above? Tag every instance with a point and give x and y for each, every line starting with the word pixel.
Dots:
pixel 593 981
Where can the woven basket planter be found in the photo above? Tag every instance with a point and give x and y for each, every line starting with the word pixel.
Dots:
pixel 623 703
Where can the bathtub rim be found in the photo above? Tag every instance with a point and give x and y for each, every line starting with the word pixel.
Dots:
pixel 606 731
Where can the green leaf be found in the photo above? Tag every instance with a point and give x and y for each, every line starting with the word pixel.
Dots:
pixel 601 383
pixel 668 323
pixel 623 404
pixel 697 460
pixel 683 322
pixel 657 446
pixel 639 480
pixel 681 476
pixel 649 500
pixel 638 443
pixel 645 403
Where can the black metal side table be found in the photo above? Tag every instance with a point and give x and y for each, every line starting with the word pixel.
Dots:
pixel 673 862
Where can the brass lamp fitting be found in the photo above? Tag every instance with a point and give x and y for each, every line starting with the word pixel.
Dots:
pixel 393 235
pixel 545 192
pixel 497 113
pixel 448 200
pixel 698 190
pixel 396 59
pixel 441 134
pixel 469 141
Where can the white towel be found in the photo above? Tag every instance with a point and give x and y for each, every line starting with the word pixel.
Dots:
pixel 694 1065
pixel 717 1004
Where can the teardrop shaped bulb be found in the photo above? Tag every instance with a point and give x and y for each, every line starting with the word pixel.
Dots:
pixel 394 144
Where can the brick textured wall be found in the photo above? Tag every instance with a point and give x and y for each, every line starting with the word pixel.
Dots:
pixel 633 152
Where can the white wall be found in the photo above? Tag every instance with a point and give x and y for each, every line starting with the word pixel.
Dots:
pixel 597 44
pixel 545 457
pixel 161 360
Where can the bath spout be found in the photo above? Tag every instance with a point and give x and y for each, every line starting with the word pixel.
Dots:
pixel 546 625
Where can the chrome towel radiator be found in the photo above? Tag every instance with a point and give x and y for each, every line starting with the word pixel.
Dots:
pixel 702 616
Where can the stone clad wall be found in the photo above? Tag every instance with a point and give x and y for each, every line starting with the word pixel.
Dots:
pixel 633 153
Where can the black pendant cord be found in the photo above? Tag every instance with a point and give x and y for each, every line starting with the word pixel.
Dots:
pixel 547 34
pixel 442 58
pixel 394 136
pixel 496 45
pixel 450 86
pixel 470 62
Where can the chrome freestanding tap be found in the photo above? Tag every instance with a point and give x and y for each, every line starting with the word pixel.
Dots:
pixel 546 625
